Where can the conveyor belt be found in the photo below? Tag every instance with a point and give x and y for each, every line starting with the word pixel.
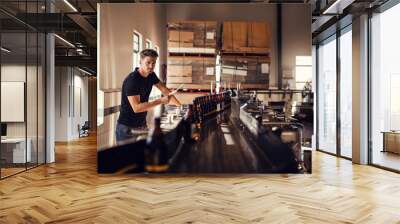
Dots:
pixel 223 148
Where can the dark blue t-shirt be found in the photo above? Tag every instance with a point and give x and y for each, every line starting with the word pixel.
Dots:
pixel 135 84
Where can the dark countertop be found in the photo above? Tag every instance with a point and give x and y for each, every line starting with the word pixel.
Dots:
pixel 223 148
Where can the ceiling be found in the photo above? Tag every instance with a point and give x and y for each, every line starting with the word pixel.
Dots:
pixel 76 22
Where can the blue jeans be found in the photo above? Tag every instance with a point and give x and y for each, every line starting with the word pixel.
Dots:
pixel 125 134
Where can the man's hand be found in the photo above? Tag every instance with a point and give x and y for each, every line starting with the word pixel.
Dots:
pixel 165 91
pixel 175 101
pixel 165 99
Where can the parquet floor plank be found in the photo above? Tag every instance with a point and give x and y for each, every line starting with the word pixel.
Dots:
pixel 71 191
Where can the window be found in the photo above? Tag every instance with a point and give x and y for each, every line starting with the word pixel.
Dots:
pixel 148 44
pixel 157 70
pixel 334 109
pixel 346 93
pixel 327 96
pixel 303 71
pixel 137 40
pixel 385 88
pixel 22 87
pixel 156 92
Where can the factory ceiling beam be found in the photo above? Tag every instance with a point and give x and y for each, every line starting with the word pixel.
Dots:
pixel 49 22
pixel 84 24
pixel 78 61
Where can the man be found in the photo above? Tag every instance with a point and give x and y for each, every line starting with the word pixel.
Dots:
pixel 135 93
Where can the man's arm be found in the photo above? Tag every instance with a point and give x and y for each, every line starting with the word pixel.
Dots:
pixel 139 107
pixel 165 91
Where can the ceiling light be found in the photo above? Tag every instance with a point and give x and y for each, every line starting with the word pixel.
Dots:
pixel 5 50
pixel 338 6
pixel 84 71
pixel 65 41
pixel 70 5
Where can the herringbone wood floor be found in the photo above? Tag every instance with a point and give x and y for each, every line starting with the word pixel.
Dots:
pixel 70 191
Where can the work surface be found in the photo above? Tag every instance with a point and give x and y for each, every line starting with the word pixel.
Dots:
pixel 223 148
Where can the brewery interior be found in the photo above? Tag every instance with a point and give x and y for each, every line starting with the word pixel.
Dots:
pixel 208 53
pixel 288 112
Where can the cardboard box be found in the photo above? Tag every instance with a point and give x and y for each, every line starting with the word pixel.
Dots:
pixel 201 33
pixel 179 70
pixel 180 36
pixel 202 86
pixel 200 69
pixel 258 50
pixel 172 44
pixel 234 36
pixel 252 37
pixel 251 70
pixel 259 35
pixel 173 79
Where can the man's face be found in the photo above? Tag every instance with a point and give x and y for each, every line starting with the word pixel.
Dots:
pixel 147 64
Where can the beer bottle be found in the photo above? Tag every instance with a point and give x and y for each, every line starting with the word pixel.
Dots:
pixel 156 152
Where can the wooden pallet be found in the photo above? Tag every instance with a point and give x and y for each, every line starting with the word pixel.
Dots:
pixel 244 53
pixel 190 86
pixel 187 54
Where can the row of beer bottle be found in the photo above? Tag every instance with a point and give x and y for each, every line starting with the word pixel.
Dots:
pixel 156 152
pixel 201 108
pixel 206 105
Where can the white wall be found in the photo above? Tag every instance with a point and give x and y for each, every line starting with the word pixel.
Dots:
pixel 12 73
pixel 68 82
pixel 296 35
pixel 33 126
pixel 116 24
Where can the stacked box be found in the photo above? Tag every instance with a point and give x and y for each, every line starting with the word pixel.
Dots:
pixel 234 36
pixel 186 35
pixel 191 48
pixel 203 69
pixel 183 69
pixel 249 70
pixel 177 38
pixel 251 37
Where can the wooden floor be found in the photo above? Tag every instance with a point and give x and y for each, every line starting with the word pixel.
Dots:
pixel 71 191
pixel 10 171
pixel 387 159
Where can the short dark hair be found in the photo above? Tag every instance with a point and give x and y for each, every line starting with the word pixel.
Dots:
pixel 148 53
